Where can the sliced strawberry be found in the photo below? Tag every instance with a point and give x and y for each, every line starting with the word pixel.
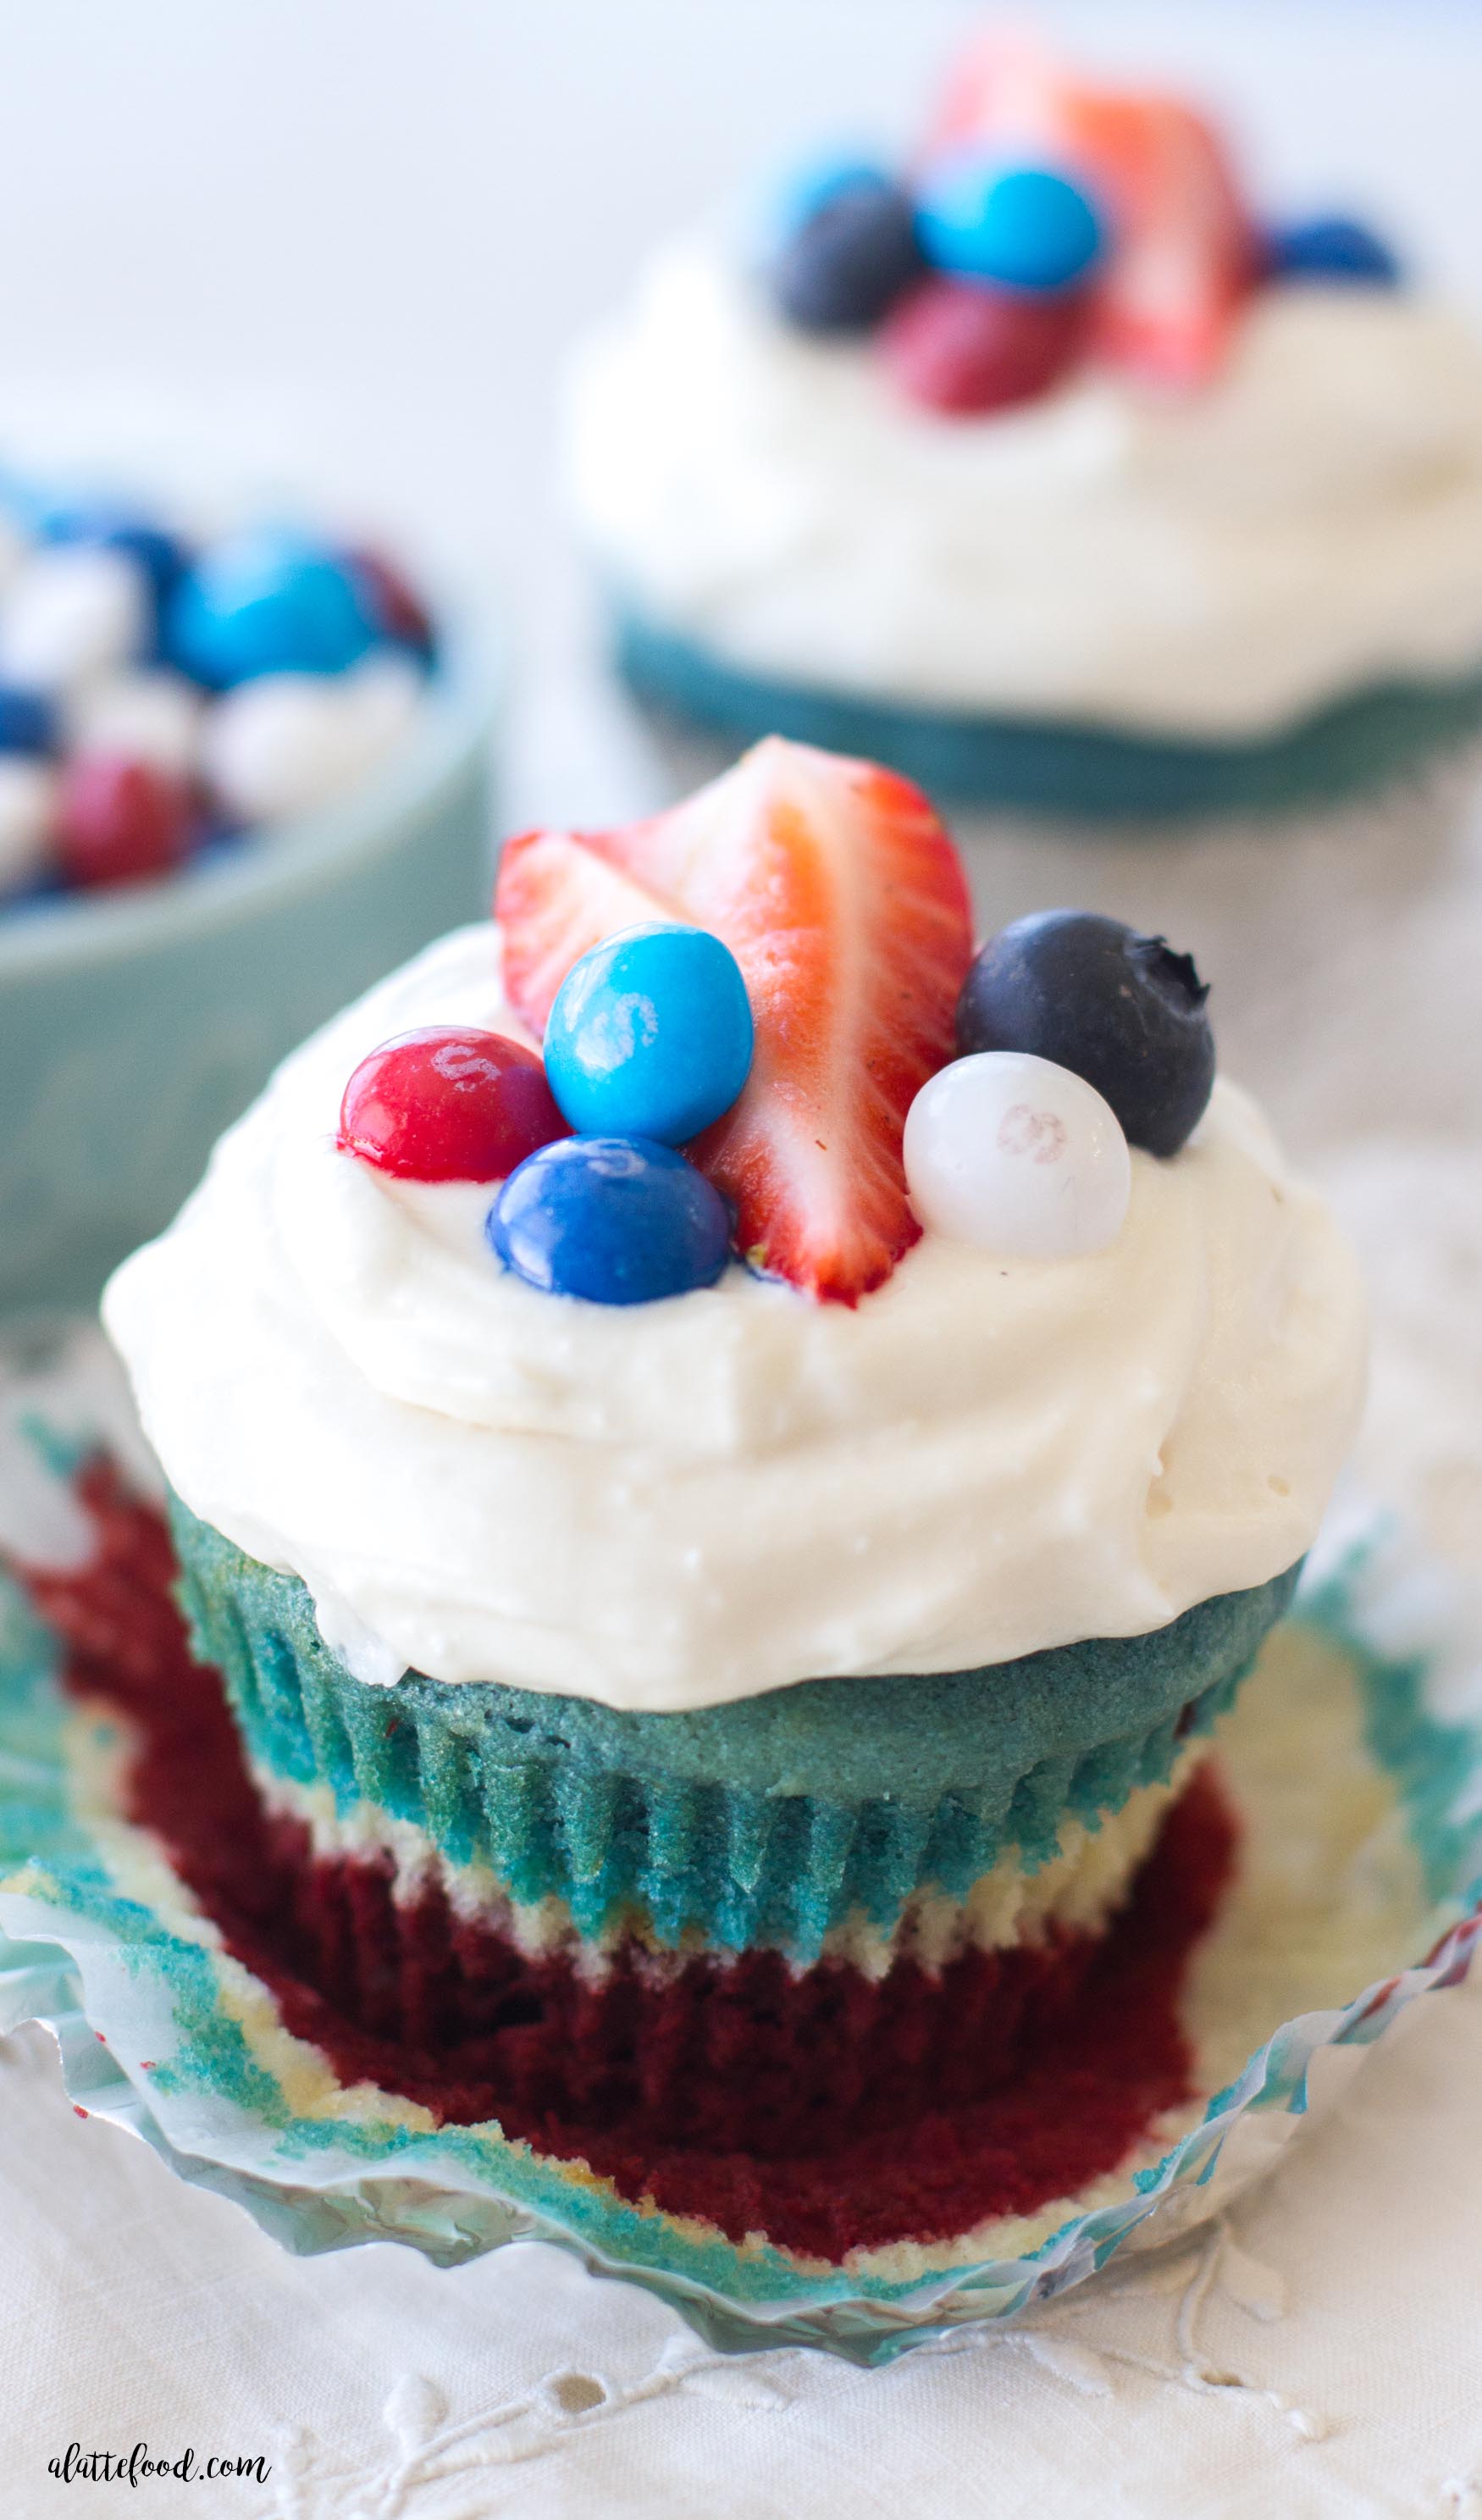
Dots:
pixel 841 897
pixel 1182 250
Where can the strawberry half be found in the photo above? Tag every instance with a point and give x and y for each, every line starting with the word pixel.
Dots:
pixel 840 895
pixel 1183 253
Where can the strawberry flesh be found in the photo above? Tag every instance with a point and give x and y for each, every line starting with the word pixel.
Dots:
pixel 841 897
pixel 1184 253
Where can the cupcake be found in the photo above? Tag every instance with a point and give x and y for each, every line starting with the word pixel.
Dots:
pixel 1048 467
pixel 730 1455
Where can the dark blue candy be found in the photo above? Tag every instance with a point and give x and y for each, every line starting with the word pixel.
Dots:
pixel 616 1219
pixel 650 1035
pixel 267 602
pixel 1331 249
pixel 1121 1010
pixel 161 556
pixel 1021 227
pixel 850 257
pixel 27 720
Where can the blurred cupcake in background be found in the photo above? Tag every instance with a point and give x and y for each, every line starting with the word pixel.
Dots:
pixel 1049 467
pixel 236 773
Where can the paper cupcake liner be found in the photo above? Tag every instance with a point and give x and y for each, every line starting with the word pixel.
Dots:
pixel 1364 1839
pixel 680 1817
pixel 1356 747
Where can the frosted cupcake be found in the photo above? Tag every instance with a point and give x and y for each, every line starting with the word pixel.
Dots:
pixel 723 1642
pixel 1048 468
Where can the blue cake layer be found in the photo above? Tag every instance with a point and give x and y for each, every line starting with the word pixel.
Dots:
pixel 1042 766
pixel 768 1820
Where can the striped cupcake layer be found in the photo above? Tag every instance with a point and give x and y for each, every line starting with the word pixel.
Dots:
pixel 561 1799
pixel 1076 1891
pixel 822 2108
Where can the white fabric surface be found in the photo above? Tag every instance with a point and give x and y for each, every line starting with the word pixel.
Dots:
pixel 378 2388
pixel 1334 2367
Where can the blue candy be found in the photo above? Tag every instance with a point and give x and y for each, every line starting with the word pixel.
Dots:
pixel 614 1219
pixel 1022 227
pixel 27 720
pixel 650 1035
pixel 807 188
pixel 161 556
pixel 1331 249
pixel 268 601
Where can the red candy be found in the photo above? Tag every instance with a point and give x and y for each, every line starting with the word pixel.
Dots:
pixel 963 346
pixel 121 821
pixel 451 1104
pixel 398 609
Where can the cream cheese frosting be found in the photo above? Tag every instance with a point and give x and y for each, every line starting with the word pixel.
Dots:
pixel 672 1505
pixel 1211 565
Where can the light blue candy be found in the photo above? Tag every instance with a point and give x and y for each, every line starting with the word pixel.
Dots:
pixel 1022 227
pixel 649 1036
pixel 267 602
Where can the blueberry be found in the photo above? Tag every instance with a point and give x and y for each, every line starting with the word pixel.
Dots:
pixel 27 720
pixel 650 1035
pixel 267 602
pixel 616 1219
pixel 850 257
pixel 1021 227
pixel 1331 249
pixel 1121 1010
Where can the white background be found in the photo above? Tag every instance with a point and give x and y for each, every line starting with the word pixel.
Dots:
pixel 343 241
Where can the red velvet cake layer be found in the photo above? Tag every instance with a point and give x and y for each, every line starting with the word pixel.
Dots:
pixel 829 2111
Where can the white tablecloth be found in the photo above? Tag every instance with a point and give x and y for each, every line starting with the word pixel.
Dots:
pixel 342 235
pixel 1323 2358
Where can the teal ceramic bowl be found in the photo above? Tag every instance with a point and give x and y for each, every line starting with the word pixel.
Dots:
pixel 135 1026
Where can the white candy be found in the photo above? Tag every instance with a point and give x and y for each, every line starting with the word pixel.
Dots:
pixel 383 695
pixel 287 742
pixel 1018 1156
pixel 28 795
pixel 148 717
pixel 72 613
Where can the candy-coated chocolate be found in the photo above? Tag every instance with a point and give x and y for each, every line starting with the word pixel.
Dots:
pixel 1018 1156
pixel 161 555
pixel 120 821
pixel 1331 249
pixel 27 810
pixel 146 714
pixel 395 606
pixel 451 1102
pixel 28 721
pixel 71 610
pixel 267 602
pixel 650 1035
pixel 1023 227
pixel 613 1220
pixel 963 346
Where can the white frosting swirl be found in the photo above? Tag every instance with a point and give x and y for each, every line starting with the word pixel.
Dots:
pixel 675 1504
pixel 1207 564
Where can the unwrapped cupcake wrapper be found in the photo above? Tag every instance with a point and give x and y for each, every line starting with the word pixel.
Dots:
pixel 769 1821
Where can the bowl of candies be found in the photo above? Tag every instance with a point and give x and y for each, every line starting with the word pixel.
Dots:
pixel 240 777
